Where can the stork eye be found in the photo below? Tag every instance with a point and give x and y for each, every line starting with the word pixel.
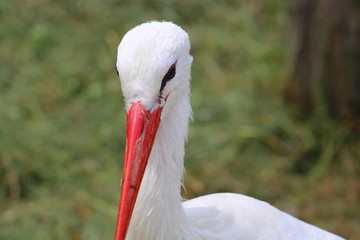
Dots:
pixel 168 76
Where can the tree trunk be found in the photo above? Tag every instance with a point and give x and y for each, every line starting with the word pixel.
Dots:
pixel 325 58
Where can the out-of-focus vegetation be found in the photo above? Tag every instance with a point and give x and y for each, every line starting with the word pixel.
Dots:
pixel 62 117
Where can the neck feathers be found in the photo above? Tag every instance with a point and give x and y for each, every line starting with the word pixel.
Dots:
pixel 158 212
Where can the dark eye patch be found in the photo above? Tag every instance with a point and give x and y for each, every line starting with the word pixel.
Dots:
pixel 168 76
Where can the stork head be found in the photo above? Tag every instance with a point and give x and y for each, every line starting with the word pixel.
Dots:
pixel 153 64
pixel 153 61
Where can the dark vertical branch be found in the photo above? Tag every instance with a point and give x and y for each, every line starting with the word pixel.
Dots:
pixel 299 86
pixel 355 63
pixel 335 78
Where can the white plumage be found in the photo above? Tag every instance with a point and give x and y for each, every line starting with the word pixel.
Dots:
pixel 145 57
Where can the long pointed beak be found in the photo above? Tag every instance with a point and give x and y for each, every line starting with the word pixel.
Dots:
pixel 141 129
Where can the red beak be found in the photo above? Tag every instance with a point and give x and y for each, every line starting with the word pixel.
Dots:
pixel 141 128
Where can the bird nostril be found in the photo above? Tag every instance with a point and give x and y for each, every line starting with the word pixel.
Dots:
pixel 142 130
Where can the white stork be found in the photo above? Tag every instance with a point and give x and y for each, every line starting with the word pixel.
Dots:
pixel 154 64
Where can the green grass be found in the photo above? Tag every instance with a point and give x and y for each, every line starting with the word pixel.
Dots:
pixel 62 117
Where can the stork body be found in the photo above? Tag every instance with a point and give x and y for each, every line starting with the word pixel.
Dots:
pixel 154 68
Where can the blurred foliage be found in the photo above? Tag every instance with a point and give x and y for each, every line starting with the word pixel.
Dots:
pixel 62 118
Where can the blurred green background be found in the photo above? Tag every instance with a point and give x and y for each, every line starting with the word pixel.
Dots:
pixel 62 133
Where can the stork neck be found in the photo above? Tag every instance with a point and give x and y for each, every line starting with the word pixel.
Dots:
pixel 158 213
